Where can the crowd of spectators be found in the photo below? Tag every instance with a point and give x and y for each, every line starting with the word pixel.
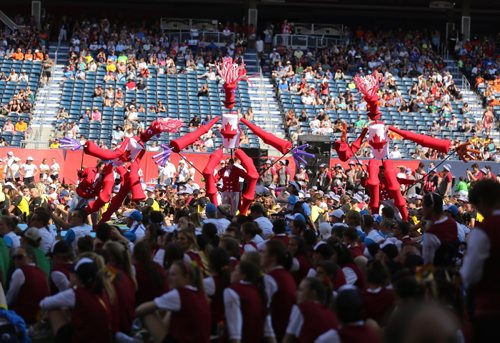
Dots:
pixel 395 55
pixel 127 52
pixel 302 251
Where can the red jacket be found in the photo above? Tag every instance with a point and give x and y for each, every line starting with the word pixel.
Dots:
pixel 317 320
pixel 487 291
pixel 192 323
pixel 34 289
pixel 91 317
pixel 230 182
pixel 282 301
pixel 147 289
pixel 253 312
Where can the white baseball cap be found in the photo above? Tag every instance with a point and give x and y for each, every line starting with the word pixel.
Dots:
pixel 338 213
pixel 29 158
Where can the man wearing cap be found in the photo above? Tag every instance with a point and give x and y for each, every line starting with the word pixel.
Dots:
pixel 445 180
pixel 29 170
pixel 269 175
pixel 216 218
pixel 134 222
pixel 336 219
pixel 230 176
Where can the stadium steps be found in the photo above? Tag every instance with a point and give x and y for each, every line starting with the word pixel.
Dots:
pixel 251 62
pixel 49 97
pixel 266 109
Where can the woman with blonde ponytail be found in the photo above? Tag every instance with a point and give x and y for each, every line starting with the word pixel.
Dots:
pixel 187 303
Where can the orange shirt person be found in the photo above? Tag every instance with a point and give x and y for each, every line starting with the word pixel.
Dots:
pixel 18 55
pixel 38 55
pixel 28 56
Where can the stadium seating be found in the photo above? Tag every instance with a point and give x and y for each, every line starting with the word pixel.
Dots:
pixel 8 89
pixel 179 94
pixel 420 121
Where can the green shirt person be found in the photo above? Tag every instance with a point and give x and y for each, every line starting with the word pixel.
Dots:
pixel 462 186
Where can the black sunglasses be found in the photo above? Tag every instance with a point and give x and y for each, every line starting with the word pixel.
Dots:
pixel 18 256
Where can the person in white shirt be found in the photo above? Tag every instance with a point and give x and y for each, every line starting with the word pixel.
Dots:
pixel 77 227
pixel 29 170
pixel 215 217
pixel 167 174
pixel 13 173
pixel 54 170
pixel 40 221
pixel 8 225
pixel 44 170
pixel 257 212
pixel 395 153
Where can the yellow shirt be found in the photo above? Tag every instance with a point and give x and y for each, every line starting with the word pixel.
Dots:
pixel 111 67
pixel 24 206
pixel 21 127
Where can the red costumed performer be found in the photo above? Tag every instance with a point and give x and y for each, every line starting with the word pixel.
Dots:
pixel 382 182
pixel 99 181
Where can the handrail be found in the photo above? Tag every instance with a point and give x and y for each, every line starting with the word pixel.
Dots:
pixel 465 83
pixel 306 41
pixel 262 90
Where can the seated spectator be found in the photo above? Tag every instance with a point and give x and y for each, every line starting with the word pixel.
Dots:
pixel 130 85
pixel 98 92
pixel 96 115
pixel 23 78
pixel 466 126
pixel 21 125
pixel 13 76
pixel 203 91
pixel 18 55
pixel 8 126
pixel 453 124
pixel 62 114
pixel 194 122
pixel 161 107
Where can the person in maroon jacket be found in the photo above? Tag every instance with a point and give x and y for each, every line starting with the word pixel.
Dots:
pixel 151 277
pixel 481 266
pixel 215 285
pixel 190 312
pixel 311 320
pixel 353 329
pixel 62 264
pixel 379 300
pixel 118 264
pixel 28 285
pixel 440 240
pixel 245 306
pixel 301 262
pixel 89 305
pixel 280 285
pixel 187 240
